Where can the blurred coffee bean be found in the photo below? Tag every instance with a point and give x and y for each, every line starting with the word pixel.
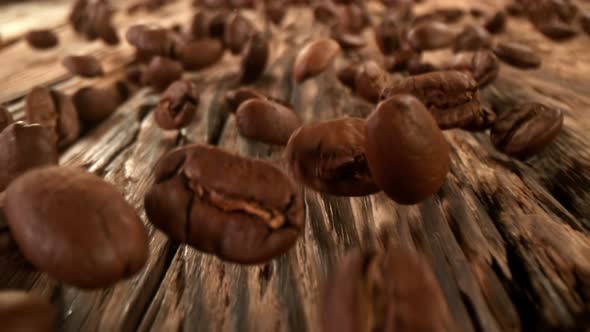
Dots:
pixel 178 105
pixel 351 18
pixel 41 39
pixel 83 65
pixel 330 157
pixel 254 58
pixel 235 98
pixel 315 58
pixel 517 55
pixel 483 65
pixel 237 32
pixel 431 36
pixel 161 72
pixel 266 121
pixel 199 54
pixel 496 23
pixel 557 30
pixel 151 41
pixel 416 66
pixel 55 111
pixel 95 104
pixel 526 129
pixel 347 74
pixel 472 38
pixel 23 311
pixel 483 121
pixel 407 153
pixel 93 19
pixel 387 35
pixel 371 81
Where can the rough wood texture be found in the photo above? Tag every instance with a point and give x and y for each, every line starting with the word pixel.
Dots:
pixel 508 239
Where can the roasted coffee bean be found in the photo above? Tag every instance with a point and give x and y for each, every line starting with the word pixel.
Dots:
pixel 93 19
pixel 235 98
pixel 472 38
pixel 388 36
pixel 5 118
pixel 242 210
pixel 315 58
pixel 348 41
pixel 83 65
pixel 55 111
pixel 151 41
pixel 517 55
pixel 238 30
pixel 496 23
pixel 178 105
pixel 416 67
pixel 330 157
pixel 199 26
pixel 161 72
pixel 557 30
pixel 95 104
pixel 483 65
pixel 431 36
pixel 41 39
pixel 407 153
pixel 255 58
pixel 266 121
pixel 400 60
pixel 526 129
pixel 371 81
pixel 347 75
pixel 24 147
pixel 91 237
pixel 395 291
pixel 483 121
pixel 198 54
pixel 451 96
pixel 351 18
pixel 22 311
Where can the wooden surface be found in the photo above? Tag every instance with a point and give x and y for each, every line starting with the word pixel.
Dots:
pixel 499 270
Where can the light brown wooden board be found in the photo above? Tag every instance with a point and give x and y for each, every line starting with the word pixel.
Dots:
pixel 498 271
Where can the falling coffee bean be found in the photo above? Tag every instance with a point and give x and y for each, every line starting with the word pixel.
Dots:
pixel 330 157
pixel 24 147
pixel 178 105
pixel 472 38
pixel 95 104
pixel 5 118
pixel 198 54
pixel 394 291
pixel 517 55
pixel 91 237
pixel 83 65
pixel 496 23
pixel 526 129
pixel 237 32
pixel 23 311
pixel 242 210
pixel 557 30
pixel 254 58
pixel 431 36
pixel 407 153
pixel 266 121
pixel 161 72
pixel 483 65
pixel 41 39
pixel 315 58
pixel 55 111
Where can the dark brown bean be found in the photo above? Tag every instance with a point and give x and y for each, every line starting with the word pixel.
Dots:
pixel 330 157
pixel 161 72
pixel 237 32
pixel 95 104
pixel 315 58
pixel 483 65
pixel 388 37
pixel 55 111
pixel 347 74
pixel 198 54
pixel 371 81
pixel 325 13
pixel 526 129
pixel 255 58
pixel 517 55
pixel 557 30
pixel 178 105
pixel 93 19
pixel 483 121
pixel 266 121
pixel 22 311
pixel 431 36
pixel 242 210
pixel 83 65
pixel 151 41
pixel 585 22
pixel 406 151
pixel 472 38
pixel 351 18
pixel 24 147
pixel 91 236
pixel 496 23
pixel 400 60
pixel 5 118
pixel 416 66
pixel 41 39
pixel 395 291
pixel 236 97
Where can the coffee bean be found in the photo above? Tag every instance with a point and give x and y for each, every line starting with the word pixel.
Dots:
pixel 394 291
pixel 483 121
pixel 161 72
pixel 22 311
pixel 496 23
pixel 526 129
pixel 217 24
pixel 151 41
pixel 517 55
pixel 178 105
pixel 95 104
pixel 240 209
pixel 200 24
pixel 315 58
pixel 406 152
pixel 24 147
pixel 266 121
pixel 450 14
pixel 93 19
pixel 330 157
pixel 416 67
pixel 5 118
pixel 431 36
pixel 351 18
pixel 483 65
pixel 91 237
pixel 370 81
pixel 387 35
pixel 41 39
pixel 236 97
pixel 238 30
pixel 472 38
pixel 83 65
pixel 255 58
pixel 400 60
pixel 451 96
pixel 557 30
pixel 198 54
pixel 347 74
pixel 325 13
pixel 55 111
